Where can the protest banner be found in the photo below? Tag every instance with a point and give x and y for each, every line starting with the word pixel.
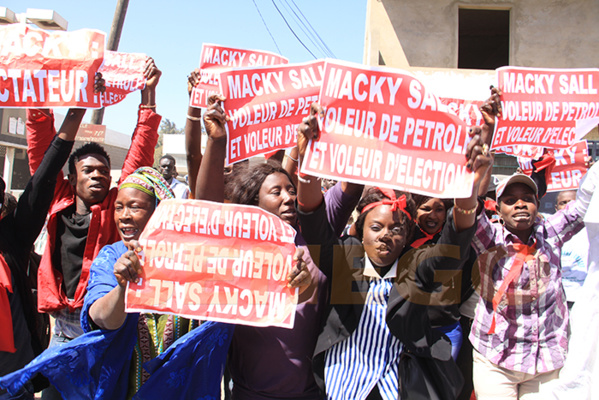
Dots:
pixel 466 110
pixel 215 58
pixel 265 106
pixel 569 168
pixel 551 108
pixel 383 127
pixel 215 261
pixel 48 68
pixel 123 73
pixel 91 133
pixel 521 150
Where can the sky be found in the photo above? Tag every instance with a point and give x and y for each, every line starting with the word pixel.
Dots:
pixel 172 32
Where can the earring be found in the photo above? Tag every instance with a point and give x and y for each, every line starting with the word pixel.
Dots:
pixel 501 221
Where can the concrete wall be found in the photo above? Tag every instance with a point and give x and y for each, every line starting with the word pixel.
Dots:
pixel 543 33
pixel 422 36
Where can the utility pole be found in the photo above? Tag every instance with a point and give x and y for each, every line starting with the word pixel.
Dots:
pixel 113 44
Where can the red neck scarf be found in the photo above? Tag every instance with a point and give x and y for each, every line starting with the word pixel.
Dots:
pixel 525 254
pixel 427 236
pixel 7 338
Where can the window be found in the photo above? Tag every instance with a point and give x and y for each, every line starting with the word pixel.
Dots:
pixel 484 38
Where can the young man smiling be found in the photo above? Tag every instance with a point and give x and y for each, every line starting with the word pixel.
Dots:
pixel 520 331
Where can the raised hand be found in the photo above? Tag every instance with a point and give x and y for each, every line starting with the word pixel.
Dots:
pixel 151 73
pixel 128 268
pixel 308 129
pixel 299 276
pixel 215 118
pixel 193 79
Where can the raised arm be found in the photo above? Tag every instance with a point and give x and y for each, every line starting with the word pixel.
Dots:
pixel 37 197
pixel 340 200
pixel 145 136
pixel 309 195
pixel 210 183
pixel 107 310
pixel 479 161
pixel 193 135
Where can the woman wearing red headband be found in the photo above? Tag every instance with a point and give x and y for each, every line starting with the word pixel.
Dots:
pixel 380 288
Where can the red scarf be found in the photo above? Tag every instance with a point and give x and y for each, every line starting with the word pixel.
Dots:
pixel 7 337
pixel 427 236
pixel 395 203
pixel 525 254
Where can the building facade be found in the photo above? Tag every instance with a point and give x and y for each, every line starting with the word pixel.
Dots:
pixel 455 46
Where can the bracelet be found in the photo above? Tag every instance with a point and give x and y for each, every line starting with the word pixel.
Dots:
pixel 292 159
pixel 144 106
pixel 192 118
pixel 303 180
pixel 465 212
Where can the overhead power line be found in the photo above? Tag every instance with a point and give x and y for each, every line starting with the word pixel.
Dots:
pixel 293 16
pixel 266 26
pixel 311 31
pixel 291 29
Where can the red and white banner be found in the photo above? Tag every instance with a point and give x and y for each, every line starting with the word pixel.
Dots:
pixel 214 261
pixel 266 104
pixel 123 73
pixel 551 108
pixel 466 110
pixel 522 150
pixel 383 127
pixel 569 168
pixel 215 58
pixel 47 68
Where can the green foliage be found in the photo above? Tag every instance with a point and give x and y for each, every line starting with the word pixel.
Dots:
pixel 167 127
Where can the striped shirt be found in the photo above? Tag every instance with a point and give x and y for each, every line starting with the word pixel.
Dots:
pixel 531 333
pixel 370 355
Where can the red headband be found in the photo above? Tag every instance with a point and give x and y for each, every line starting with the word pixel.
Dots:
pixel 395 203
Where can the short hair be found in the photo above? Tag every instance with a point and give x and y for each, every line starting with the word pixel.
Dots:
pixel 373 195
pixel 88 148
pixel 244 187
pixel 564 192
pixel 9 204
pixel 168 157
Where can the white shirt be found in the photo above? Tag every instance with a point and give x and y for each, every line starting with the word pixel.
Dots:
pixel 180 189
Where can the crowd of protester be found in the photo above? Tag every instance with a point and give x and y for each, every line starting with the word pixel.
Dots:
pixel 400 295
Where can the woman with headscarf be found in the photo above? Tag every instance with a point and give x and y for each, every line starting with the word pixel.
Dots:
pixel 377 329
pixel 106 362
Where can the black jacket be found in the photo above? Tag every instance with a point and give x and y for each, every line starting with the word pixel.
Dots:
pixel 342 261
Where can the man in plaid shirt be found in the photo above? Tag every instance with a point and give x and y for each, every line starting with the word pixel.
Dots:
pixel 520 331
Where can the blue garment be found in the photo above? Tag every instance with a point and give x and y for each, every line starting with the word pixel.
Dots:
pixel 92 366
pixel 101 279
pixel 455 335
pixel 192 368
pixel 96 365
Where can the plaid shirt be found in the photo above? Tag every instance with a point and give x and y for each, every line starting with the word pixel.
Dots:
pixel 531 333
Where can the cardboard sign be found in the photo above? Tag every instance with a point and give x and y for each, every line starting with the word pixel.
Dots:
pixel 551 108
pixel 215 58
pixel 91 133
pixel 570 167
pixel 123 73
pixel 214 261
pixel 383 127
pixel 266 104
pixel 48 68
